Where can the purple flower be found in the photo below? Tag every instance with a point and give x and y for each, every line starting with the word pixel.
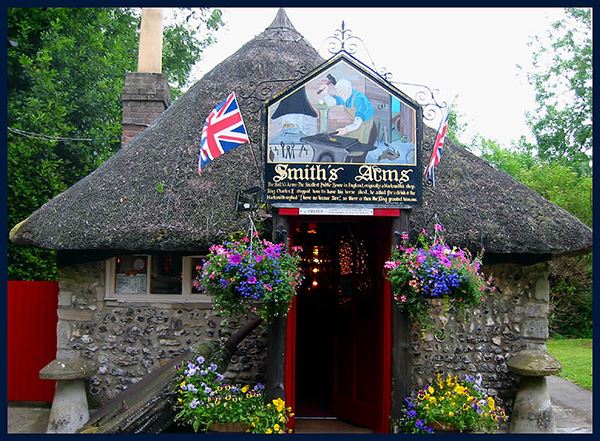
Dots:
pixel 438 227
pixel 259 258
pixel 219 377
pixel 419 424
pixel 200 359
pixel 251 280
pixel 194 403
pixel 412 413
pixel 272 251
pixel 212 367
pixel 235 259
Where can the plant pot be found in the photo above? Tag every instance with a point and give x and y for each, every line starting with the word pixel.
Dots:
pixel 442 427
pixel 228 427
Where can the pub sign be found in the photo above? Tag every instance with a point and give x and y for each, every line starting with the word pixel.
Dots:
pixel 343 136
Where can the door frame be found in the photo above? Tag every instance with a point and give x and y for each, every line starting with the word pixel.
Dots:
pixel 385 335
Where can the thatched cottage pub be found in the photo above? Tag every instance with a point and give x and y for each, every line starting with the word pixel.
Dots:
pixel 130 234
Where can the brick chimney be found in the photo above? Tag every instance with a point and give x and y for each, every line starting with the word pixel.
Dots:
pixel 146 93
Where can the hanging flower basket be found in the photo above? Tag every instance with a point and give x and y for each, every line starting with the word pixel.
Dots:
pixel 251 275
pixel 432 275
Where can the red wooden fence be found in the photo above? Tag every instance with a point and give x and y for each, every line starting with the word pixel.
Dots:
pixel 31 338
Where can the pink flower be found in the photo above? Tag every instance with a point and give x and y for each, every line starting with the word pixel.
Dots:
pixel 392 264
pixel 404 236
pixel 268 287
pixel 409 250
pixel 439 227
pixel 297 249
pixel 255 234
pixel 245 239
pixel 414 284
pixel 196 284
pixel 259 258
pixel 403 299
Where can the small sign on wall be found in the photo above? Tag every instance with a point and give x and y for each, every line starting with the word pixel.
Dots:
pixel 342 135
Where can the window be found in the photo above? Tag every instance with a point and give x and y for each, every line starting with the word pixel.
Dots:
pixel 165 277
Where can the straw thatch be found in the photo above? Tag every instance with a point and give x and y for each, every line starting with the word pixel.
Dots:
pixel 148 196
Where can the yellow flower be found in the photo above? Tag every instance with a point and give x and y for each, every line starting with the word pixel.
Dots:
pixel 269 431
pixel 276 427
pixel 227 386
pixel 245 389
pixel 431 389
pixel 432 400
pixel 491 403
pixel 451 414
pixel 182 384
pixel 179 400
pixel 279 404
pixel 228 397
pixel 282 419
pixel 219 388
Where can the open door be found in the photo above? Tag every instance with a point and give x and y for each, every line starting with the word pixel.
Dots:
pixel 339 327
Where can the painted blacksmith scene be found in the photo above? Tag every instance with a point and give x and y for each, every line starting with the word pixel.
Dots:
pixel 290 247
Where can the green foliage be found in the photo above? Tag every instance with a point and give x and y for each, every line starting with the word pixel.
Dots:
pixel 562 77
pixel 205 399
pixel 431 269
pixel 456 126
pixel 575 355
pixel 239 274
pixel 571 297
pixel 65 77
pixel 555 181
pixel 451 404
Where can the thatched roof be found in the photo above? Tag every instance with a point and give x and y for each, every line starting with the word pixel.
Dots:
pixel 148 196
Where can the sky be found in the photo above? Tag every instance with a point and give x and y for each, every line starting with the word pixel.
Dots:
pixel 470 55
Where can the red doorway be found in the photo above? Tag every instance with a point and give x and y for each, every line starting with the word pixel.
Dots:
pixel 338 332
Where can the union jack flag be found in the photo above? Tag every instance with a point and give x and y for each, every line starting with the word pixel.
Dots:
pixel 438 148
pixel 223 130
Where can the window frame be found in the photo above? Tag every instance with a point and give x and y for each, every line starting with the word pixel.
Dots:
pixel 186 295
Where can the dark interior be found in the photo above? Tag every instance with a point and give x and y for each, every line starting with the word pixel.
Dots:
pixel 315 306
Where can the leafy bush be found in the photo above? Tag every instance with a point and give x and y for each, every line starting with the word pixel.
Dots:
pixel 570 312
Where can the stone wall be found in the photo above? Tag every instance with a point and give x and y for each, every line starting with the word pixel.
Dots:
pixel 129 340
pixel 512 319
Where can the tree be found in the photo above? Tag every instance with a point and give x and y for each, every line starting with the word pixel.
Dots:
pixel 562 77
pixel 65 77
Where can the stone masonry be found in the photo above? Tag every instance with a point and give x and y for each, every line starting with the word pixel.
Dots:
pixel 512 319
pixel 128 340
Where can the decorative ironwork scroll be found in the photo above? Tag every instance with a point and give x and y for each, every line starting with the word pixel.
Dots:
pixel 343 39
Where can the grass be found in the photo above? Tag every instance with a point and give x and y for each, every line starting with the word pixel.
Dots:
pixel 575 355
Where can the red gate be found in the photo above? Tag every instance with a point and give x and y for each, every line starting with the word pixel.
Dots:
pixel 32 323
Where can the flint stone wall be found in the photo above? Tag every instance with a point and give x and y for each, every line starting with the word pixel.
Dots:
pixel 129 340
pixel 513 318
